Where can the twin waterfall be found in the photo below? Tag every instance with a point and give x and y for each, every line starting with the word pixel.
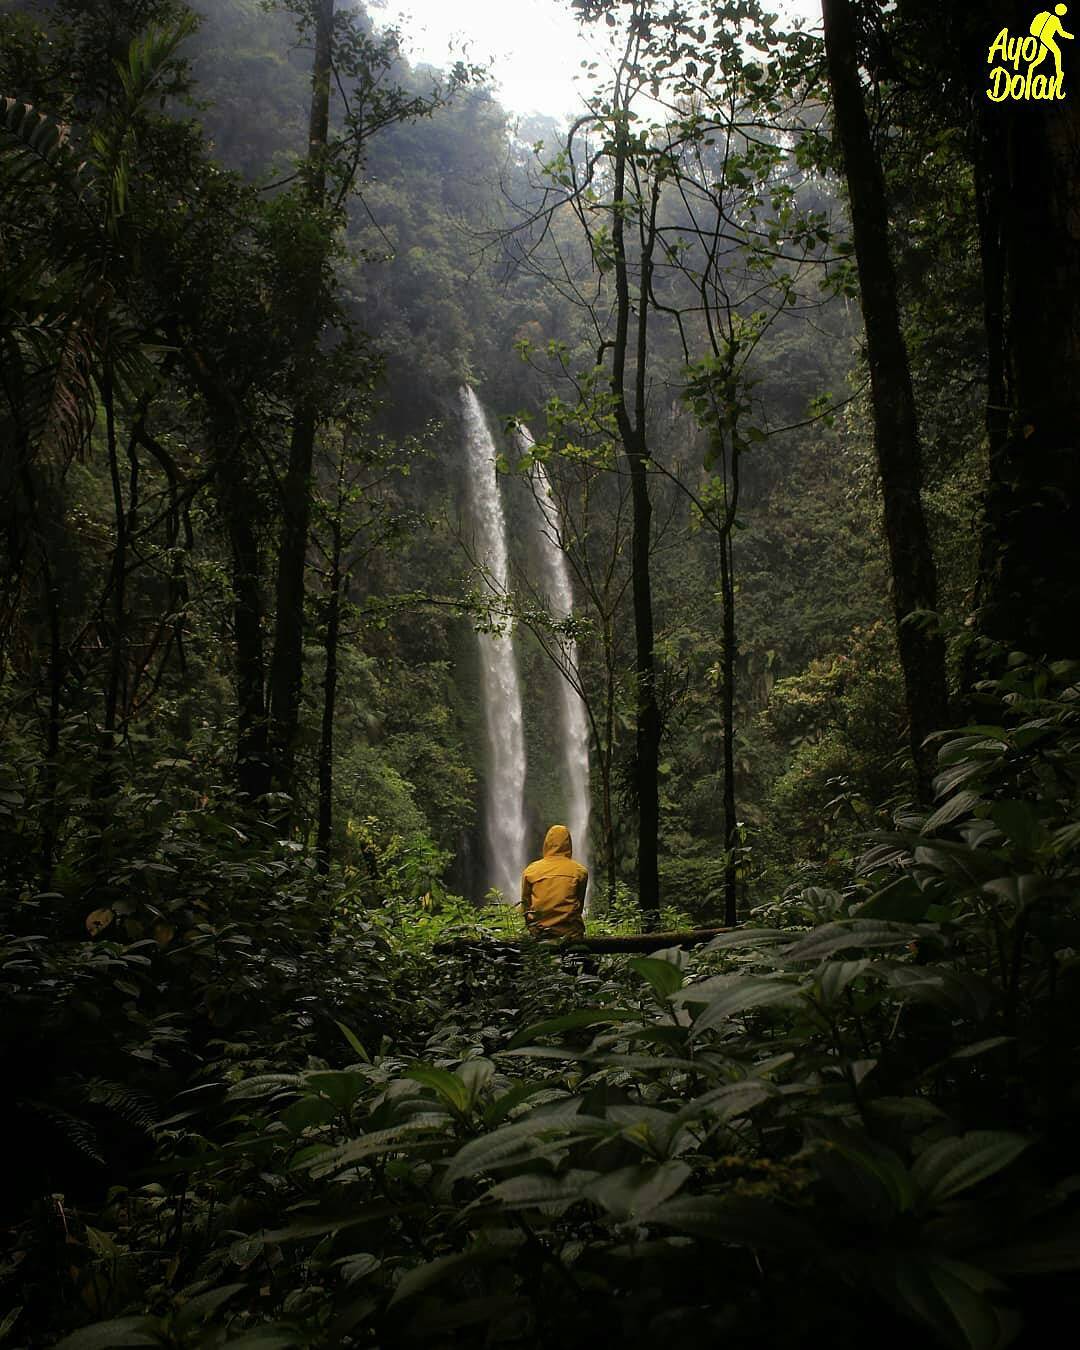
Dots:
pixel 504 808
pixel 575 725
pixel 508 849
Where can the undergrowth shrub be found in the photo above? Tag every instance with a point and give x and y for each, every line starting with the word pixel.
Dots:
pixel 853 1120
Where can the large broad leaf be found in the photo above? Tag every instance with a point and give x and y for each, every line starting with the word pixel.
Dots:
pixel 421 1278
pixel 533 1190
pixel 870 1176
pixel 747 937
pixel 203 1306
pixel 741 995
pixel 586 1017
pixel 354 1041
pixel 835 976
pixel 501 1107
pixel 744 1221
pixel 532 1137
pixel 341 1087
pixel 122 1331
pixel 961 1303
pixel 867 934
pixel 727 1102
pixel 952 1165
pixel 961 804
pixel 901 901
pixel 318 1224
pixel 411 1137
pixel 447 1086
pixel 632 1193
pixel 664 978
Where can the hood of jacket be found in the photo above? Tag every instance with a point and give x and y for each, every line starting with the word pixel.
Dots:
pixel 557 842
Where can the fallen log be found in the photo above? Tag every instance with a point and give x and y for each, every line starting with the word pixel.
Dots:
pixel 628 942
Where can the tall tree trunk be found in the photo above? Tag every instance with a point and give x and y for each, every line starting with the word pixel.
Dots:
pixel 914 580
pixel 329 709
pixel 286 669
pixel 1031 581
pixel 731 824
pixel 632 433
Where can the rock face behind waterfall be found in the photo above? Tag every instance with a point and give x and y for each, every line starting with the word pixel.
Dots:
pixel 504 797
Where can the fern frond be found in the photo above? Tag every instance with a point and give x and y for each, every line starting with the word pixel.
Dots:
pixel 78 1132
pixel 136 1108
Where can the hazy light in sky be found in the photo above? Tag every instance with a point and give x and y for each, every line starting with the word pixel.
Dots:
pixel 534 47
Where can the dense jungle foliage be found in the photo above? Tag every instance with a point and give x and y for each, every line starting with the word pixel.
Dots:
pixel 791 314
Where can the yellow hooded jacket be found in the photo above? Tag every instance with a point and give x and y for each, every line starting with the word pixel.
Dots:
pixel 553 889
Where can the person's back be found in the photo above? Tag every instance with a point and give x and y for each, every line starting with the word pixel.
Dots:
pixel 553 889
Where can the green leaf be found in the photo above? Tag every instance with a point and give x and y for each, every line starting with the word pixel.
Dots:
pixel 121 1331
pixel 729 1101
pixel 867 934
pixel 902 901
pixel 476 1074
pixel 981 1047
pixel 203 1306
pixel 962 804
pixel 835 976
pixel 632 1193
pixel 418 1279
pixel 1019 822
pixel 870 1176
pixel 353 1041
pixel 742 994
pixel 958 1301
pixel 953 1165
pixel 747 1221
pixel 664 978
pixel 447 1086
pixel 906 1108
pixel 341 1087
pixel 318 1225
pixel 746 937
pixel 536 1189
pixel 10 1318
pixel 410 1137
pixel 524 1139
pixel 586 1017
pixel 501 1107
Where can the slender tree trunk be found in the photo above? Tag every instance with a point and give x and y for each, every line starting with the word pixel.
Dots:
pixel 731 824
pixel 252 750
pixel 117 630
pixel 50 822
pixel 632 433
pixel 329 709
pixel 922 650
pixel 286 670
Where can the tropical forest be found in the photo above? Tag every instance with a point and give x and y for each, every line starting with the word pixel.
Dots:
pixel 539 674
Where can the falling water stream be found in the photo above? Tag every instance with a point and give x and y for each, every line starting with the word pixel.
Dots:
pixel 504 806
pixel 555 582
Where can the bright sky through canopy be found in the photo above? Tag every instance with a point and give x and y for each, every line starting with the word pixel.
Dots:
pixel 535 47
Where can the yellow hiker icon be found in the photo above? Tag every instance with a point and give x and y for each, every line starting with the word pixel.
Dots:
pixel 1046 27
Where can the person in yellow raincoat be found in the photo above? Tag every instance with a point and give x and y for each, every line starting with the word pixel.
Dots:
pixel 553 889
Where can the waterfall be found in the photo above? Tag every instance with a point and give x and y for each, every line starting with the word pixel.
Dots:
pixel 504 806
pixel 555 581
